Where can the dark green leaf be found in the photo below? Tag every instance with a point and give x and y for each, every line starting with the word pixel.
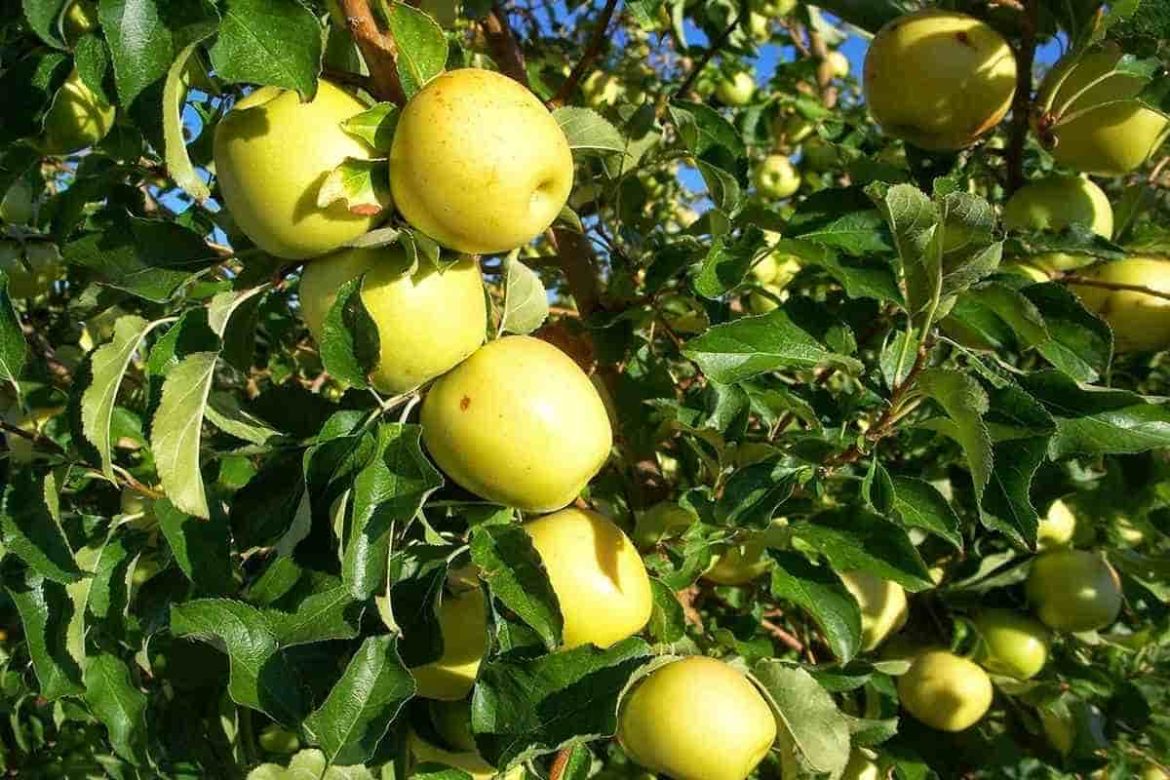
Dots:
pixel 920 505
pixel 31 531
pixel 817 591
pixel 45 613
pixel 512 568
pixel 855 539
pixel 117 702
pixel 12 346
pixel 349 339
pixel 202 548
pixel 275 42
pixel 145 36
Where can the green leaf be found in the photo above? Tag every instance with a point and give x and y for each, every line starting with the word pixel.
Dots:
pixel 363 703
pixel 869 276
pixel 118 703
pixel 845 220
pixel 1006 505
pixel 810 724
pixel 588 131
pixel 964 401
pixel 516 576
pixel 328 614
pixel 375 125
pixel 523 708
pixel 667 620
pixel 914 222
pixel 13 349
pixel 178 161
pixel 727 262
pixel 702 129
pixel 275 42
pixel 349 338
pixel 109 590
pixel 202 548
pixel 1080 343
pixel 749 346
pixel 361 186
pixel 32 532
pixel 753 493
pixel 525 300
pixel 722 185
pixel 920 505
pixel 177 432
pixel 45 613
pixel 855 539
pixel 144 38
pixel 817 591
pixel 43 17
pixel 422 46
pixel 224 412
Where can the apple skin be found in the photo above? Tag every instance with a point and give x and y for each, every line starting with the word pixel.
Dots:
pixel 1057 527
pixel 1140 322
pixel 739 564
pixel 697 719
pixel 274 739
pixel 272 194
pixel 1101 129
pixel 76 120
pixel 939 79
pixel 883 604
pixel 944 691
pixel 861 766
pixel 463 624
pixel 1054 203
pixel 34 274
pixel 736 90
pixel 1152 771
pixel 1074 590
pixel 478 163
pixel 428 321
pixel 597 574
pixel 601 89
pixel 793 129
pixel 518 423
pixel 1014 645
pixel 838 64
pixel 776 177
pixel 470 762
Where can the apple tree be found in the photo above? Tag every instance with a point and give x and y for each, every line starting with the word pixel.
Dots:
pixel 694 388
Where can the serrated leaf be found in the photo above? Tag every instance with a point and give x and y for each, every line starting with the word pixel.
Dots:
pixel 375 125
pixel 842 219
pixel 1080 343
pixel 13 349
pixel 178 161
pixel 45 613
pixel 727 262
pixel 362 186
pixel 914 223
pixel 363 703
pixel 275 42
pixel 1006 505
pixel 117 702
pixel 422 46
pixel 753 494
pixel 817 591
pixel 328 614
pixel 702 128
pixel 145 37
pixel 516 576
pixel 920 505
pixel 855 539
pixel 525 299
pixel 722 185
pixel 224 412
pixel 31 532
pixel 177 431
pixel 964 401
pixel 202 548
pixel 42 17
pixel 588 131
pixel 811 725
pixel 349 338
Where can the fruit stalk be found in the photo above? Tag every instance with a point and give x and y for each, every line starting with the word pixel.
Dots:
pixel 378 49
pixel 1022 100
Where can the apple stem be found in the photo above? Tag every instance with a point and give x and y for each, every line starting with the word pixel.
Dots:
pixel 378 48
pixel 586 61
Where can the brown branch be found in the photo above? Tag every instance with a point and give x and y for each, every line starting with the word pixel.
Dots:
pixel 686 598
pixel 712 50
pixel 779 633
pixel 820 51
pixel 1022 100
pixel 503 44
pixel 560 763
pixel 1157 170
pixel 796 33
pixel 378 49
pixel 586 61
pixel 1086 281
pixel 348 79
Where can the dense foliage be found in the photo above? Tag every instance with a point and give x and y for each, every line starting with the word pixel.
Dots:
pixel 852 396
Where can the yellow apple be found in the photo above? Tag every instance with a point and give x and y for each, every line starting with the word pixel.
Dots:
pixel 30 272
pixel 77 118
pixel 1055 203
pixel 135 505
pixel 939 79
pixel 597 574
pixel 1090 112
pixel 273 152
pixel 428 321
pixel 1074 590
pixel 478 163
pixel 883 604
pixel 697 719
pixel 776 268
pixel 776 177
pixel 862 766
pixel 1013 645
pixel 838 64
pixel 1057 527
pixel 1030 272
pixel 739 564
pixel 736 90
pixel 469 761
pixel 1152 771
pixel 944 691
pixel 518 423
pixel 1140 322
pixel 463 624
pixel 759 27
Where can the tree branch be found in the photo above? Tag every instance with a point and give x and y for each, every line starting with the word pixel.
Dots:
pixel 1022 100
pixel 1086 281
pixel 378 49
pixel 712 50
pixel 820 51
pixel 505 48
pixel 591 52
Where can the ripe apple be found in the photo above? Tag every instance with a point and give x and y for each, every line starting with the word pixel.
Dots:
pixel 739 564
pixel 1152 771
pixel 463 624
pixel 776 177
pixel 31 269
pixel 428 321
pixel 1140 322
pixel 862 766
pixel 597 574
pixel 838 64
pixel 939 79
pixel 478 163
pixel 883 604
pixel 944 691
pixel 271 191
pixel 1057 527
pixel 1014 645
pixel 470 762
pixel 518 423
pixel 1074 590
pixel 736 90
pixel 1090 112
pixel 774 271
pixel 77 118
pixel 1055 203
pixel 697 719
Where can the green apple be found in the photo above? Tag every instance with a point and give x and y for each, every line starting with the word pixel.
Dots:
pixel 1152 771
pixel 1140 322
pixel 428 321
pixel 1014 645
pixel 1030 272
pixel 20 449
pixel 1055 203
pixel 1074 590
pixel 1060 729
pixel 17 206
pixel 838 64
pixel 760 27
pixel 597 574
pixel 697 719
pixel 272 153
pixel 1057 527
pixel 80 17
pixel 601 89
pixel 1091 114
pixel 939 79
pixel 792 129
pixel 817 154
pixel 776 268
pixel 76 120
pixel 776 177
pixel 469 762
pixel 884 608
pixel 736 90
pixel 518 423
pixel 478 163
pixel 944 691
pixel 862 766
pixel 137 509
pixel 1127 532
pixel 31 269
pixel 739 564
pixel 275 739
pixel 463 624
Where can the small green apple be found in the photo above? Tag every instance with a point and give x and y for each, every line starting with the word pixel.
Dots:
pixel 944 691
pixel 736 90
pixel 1013 645
pixel 1074 590
pixel 792 129
pixel 1055 203
pixel 760 27
pixel 1057 527
pixel 776 177
pixel 76 120
pixel 601 89
pixel 80 17
pixel 862 766
pixel 939 79
pixel 884 608
pixel 838 64
pixel 463 625
pixel 1140 321
pixel 275 739
pixel 739 564
pixel 1030 272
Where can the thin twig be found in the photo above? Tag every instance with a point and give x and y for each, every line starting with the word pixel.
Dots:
pixel 712 50
pixel 785 638
pixel 820 51
pixel 505 48
pixel 349 79
pixel 587 59
pixel 1086 281
pixel 378 49
pixel 1022 100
